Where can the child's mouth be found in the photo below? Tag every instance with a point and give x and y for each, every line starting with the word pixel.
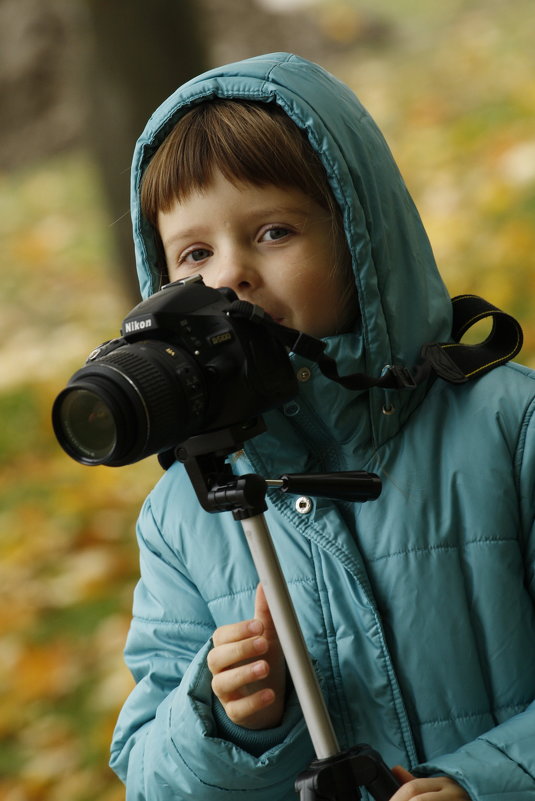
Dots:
pixel 275 318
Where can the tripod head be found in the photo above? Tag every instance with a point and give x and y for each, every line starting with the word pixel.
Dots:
pixel 218 489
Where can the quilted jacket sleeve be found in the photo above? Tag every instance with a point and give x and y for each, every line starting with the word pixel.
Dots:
pixel 500 764
pixel 167 744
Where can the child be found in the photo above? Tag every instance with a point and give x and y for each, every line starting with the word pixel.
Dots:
pixel 269 177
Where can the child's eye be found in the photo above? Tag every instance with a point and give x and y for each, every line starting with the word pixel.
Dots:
pixel 274 233
pixel 195 255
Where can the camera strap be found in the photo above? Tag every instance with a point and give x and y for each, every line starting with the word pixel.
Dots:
pixel 452 361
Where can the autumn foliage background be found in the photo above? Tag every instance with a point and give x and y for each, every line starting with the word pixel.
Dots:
pixel 454 92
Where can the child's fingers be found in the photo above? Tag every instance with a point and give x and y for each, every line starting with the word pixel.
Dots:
pixel 261 608
pixel 242 710
pixel 402 774
pixel 225 656
pixel 262 613
pixel 237 682
pixel 234 632
pixel 239 676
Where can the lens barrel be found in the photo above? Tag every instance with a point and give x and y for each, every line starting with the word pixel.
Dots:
pixel 131 403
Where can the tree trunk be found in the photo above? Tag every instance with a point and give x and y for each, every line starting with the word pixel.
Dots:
pixel 140 53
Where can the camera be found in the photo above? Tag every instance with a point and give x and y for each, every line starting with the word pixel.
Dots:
pixel 182 366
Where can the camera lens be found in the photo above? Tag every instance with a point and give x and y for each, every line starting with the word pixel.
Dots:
pixel 87 424
pixel 136 400
pixel 95 419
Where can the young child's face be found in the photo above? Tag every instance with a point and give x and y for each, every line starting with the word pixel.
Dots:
pixel 274 247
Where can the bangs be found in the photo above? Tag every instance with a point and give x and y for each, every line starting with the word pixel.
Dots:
pixel 247 142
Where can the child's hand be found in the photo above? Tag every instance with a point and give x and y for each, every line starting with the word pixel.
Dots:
pixel 439 787
pixel 248 669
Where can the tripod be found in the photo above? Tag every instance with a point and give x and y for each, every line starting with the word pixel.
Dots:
pixel 333 775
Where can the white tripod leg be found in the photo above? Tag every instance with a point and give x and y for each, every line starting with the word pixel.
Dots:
pixel 291 638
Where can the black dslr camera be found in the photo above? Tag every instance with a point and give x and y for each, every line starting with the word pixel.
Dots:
pixel 183 366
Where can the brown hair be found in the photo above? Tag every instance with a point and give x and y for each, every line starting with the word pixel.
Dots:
pixel 248 142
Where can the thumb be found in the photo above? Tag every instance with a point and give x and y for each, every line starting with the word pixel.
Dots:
pixel 402 775
pixel 261 611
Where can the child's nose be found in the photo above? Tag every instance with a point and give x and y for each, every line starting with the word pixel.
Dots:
pixel 237 272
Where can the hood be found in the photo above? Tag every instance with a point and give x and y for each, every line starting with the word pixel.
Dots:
pixel 403 301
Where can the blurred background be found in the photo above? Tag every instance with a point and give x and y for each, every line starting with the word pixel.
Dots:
pixel 452 85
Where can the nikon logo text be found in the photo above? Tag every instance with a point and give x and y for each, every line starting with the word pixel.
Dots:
pixel 137 325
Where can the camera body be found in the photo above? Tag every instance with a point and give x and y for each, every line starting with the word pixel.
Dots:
pixel 182 367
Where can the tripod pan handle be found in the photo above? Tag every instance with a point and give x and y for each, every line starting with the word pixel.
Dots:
pixel 352 485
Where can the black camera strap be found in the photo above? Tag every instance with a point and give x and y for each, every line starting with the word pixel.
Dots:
pixel 453 361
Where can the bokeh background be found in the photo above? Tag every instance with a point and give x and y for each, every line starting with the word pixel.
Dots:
pixel 452 85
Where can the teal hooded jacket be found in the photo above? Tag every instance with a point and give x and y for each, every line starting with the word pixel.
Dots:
pixel 418 608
